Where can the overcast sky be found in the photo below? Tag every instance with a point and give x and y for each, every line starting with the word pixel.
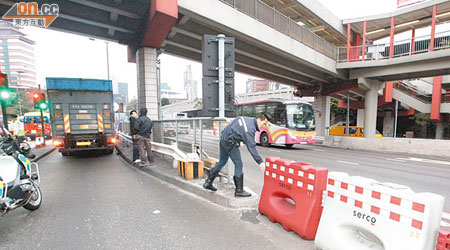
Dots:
pixel 66 55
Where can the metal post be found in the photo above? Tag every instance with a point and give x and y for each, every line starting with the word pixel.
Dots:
pixel 221 53
pixel 18 92
pixel 5 116
pixel 176 133
pixel 107 59
pixel 201 138
pixel 161 124
pixel 348 115
pixel 42 119
pixel 195 136
pixel 396 117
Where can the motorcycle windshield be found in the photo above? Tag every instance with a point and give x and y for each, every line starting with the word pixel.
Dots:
pixel 9 170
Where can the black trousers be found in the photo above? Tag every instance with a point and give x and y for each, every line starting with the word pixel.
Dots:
pixel 135 150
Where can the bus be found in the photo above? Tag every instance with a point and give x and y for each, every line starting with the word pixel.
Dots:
pixel 292 121
pixel 32 124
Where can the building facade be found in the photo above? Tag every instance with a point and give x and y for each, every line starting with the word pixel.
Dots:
pixel 17 57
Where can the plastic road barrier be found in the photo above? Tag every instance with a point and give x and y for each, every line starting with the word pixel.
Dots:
pixel 443 241
pixel 361 213
pixel 292 195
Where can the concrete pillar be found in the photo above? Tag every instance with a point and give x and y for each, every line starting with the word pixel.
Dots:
pixel 321 107
pixel 439 130
pixel 371 106
pixel 388 125
pixel 360 118
pixel 147 80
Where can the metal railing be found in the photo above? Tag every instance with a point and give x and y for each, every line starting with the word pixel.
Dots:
pixel 273 18
pixel 413 92
pixel 375 52
pixel 193 135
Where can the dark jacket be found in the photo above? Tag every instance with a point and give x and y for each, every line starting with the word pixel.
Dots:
pixel 132 124
pixel 143 124
pixel 243 129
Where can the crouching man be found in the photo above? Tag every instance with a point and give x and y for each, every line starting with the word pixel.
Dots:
pixel 242 129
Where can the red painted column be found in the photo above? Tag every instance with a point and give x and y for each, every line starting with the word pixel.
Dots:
pixel 436 99
pixel 364 41
pixel 433 27
pixel 391 46
pixel 349 34
pixel 413 41
pixel 388 92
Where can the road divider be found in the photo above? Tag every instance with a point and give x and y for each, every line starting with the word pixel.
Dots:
pixel 361 213
pixel 443 241
pixel 292 195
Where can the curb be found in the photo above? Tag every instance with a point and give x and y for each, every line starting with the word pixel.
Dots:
pixel 43 155
pixel 224 196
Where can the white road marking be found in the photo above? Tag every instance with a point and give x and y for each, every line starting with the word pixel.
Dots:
pixel 392 159
pixel 347 162
pixel 320 150
pixel 446 215
pixel 421 160
pixel 445 224
pixel 273 150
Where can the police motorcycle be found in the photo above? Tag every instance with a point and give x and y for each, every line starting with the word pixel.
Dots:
pixel 19 178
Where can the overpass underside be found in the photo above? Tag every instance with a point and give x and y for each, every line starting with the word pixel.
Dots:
pixel 278 57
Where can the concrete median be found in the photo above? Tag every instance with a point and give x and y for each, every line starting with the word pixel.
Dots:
pixel 164 170
pixel 394 145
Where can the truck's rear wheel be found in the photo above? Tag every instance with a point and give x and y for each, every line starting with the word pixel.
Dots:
pixel 109 151
pixel 65 153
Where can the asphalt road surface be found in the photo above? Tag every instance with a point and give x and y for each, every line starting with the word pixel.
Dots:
pixel 421 174
pixel 100 202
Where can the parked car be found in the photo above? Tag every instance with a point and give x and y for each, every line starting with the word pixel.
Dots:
pixel 353 131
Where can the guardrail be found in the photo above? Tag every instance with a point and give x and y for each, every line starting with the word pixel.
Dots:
pixel 374 52
pixel 170 150
pixel 273 18
pixel 192 135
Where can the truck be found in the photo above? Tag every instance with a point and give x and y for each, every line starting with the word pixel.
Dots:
pixel 81 114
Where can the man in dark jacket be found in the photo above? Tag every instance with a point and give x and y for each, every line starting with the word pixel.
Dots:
pixel 242 129
pixel 143 128
pixel 133 117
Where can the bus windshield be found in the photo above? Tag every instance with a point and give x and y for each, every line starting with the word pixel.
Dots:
pixel 300 117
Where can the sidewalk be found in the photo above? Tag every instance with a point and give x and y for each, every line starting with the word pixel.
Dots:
pixel 163 170
pixel 41 152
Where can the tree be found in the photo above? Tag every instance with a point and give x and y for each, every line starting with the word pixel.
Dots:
pixel 198 103
pixel 164 101
pixel 22 101
pixel 132 104
pixel 341 113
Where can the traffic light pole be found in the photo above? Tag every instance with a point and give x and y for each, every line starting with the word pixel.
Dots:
pixel 5 116
pixel 42 124
pixel 42 120
pixel 221 54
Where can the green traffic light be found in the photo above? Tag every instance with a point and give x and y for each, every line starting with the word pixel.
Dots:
pixel 43 105
pixel 5 94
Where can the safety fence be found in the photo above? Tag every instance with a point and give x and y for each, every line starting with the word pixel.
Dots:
pixel 192 135
pixel 339 211
pixel 374 52
pixel 273 18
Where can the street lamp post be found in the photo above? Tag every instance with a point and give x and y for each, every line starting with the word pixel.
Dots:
pixel 107 55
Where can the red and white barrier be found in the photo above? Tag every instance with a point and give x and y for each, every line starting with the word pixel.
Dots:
pixel 292 195
pixel 361 213
pixel 443 241
pixel 39 142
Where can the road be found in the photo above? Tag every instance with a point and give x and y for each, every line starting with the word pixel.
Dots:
pixel 422 174
pixel 100 202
